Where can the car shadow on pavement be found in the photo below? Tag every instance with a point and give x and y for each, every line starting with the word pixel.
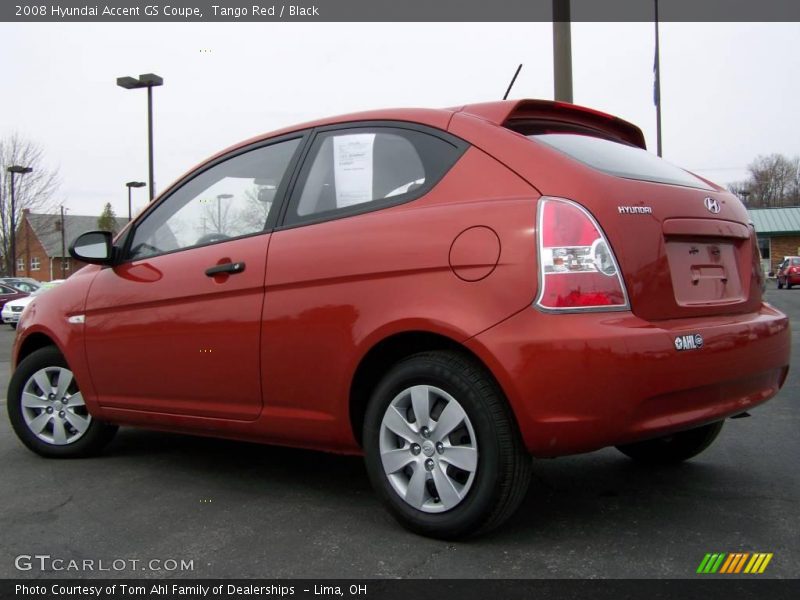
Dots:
pixel 593 493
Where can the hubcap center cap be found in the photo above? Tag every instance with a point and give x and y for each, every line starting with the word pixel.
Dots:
pixel 428 448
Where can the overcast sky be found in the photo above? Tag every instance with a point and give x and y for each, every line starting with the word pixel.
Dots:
pixel 730 91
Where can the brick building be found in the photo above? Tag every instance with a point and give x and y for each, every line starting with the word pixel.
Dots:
pixel 39 243
pixel 778 232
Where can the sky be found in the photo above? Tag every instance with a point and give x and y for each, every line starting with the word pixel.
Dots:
pixel 729 90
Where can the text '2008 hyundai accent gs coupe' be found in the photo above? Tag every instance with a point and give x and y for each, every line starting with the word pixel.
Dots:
pixel 447 292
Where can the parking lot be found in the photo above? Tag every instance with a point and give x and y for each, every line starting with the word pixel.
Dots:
pixel 243 510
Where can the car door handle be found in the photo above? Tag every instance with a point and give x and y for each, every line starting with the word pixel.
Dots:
pixel 225 269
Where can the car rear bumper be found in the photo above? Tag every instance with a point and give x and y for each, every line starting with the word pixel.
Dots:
pixel 578 382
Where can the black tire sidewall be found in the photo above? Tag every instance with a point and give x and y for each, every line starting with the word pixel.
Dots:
pixel 96 436
pixel 483 495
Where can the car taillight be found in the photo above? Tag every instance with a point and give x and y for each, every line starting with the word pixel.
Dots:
pixel 578 268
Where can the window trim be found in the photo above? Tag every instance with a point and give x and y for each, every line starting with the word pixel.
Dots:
pixel 38 263
pixel 306 162
pixel 278 202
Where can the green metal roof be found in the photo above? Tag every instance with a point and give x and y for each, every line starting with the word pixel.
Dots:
pixel 776 221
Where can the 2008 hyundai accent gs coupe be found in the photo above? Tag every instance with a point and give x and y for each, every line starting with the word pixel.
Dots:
pixel 447 292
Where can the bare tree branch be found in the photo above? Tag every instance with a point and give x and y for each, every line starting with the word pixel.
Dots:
pixel 33 191
pixel 774 181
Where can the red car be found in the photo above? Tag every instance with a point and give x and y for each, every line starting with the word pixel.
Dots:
pixel 789 272
pixel 447 292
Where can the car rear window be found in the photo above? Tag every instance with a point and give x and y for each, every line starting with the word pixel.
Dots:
pixel 795 261
pixel 619 159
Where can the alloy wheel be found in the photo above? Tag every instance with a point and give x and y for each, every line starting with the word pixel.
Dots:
pixel 428 448
pixel 53 407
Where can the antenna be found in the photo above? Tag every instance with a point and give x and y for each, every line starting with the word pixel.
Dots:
pixel 513 79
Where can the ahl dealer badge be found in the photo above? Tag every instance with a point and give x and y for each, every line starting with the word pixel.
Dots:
pixel 689 342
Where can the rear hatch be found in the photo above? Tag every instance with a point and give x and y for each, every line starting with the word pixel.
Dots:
pixel 684 245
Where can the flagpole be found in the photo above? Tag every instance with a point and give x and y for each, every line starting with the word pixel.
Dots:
pixel 657 87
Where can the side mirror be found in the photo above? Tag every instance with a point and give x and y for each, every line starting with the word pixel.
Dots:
pixel 93 247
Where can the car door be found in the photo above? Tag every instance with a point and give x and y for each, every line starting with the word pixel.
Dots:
pixel 8 293
pixel 334 255
pixel 175 326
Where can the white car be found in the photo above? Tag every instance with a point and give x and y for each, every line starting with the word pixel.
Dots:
pixel 13 309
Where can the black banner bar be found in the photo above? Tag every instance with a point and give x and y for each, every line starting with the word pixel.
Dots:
pixel 130 11
pixel 703 587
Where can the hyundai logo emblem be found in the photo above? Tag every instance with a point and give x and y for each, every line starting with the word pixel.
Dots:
pixel 712 205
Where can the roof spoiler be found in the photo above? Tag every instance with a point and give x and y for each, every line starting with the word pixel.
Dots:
pixel 508 113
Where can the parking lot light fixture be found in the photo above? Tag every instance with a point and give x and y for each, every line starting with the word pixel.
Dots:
pixel 14 170
pixel 149 81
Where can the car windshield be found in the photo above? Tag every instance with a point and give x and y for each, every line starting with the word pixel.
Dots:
pixel 619 159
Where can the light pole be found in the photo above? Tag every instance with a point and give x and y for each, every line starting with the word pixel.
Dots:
pixel 220 198
pixel 657 87
pixel 562 51
pixel 63 243
pixel 129 185
pixel 15 170
pixel 149 81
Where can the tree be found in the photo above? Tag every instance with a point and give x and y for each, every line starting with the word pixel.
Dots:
pixel 107 221
pixel 32 191
pixel 774 181
pixel 258 203
pixel 219 216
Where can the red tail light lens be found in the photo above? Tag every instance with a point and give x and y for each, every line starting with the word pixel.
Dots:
pixel 578 268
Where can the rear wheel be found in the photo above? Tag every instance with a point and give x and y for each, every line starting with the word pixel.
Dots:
pixel 673 448
pixel 442 449
pixel 47 410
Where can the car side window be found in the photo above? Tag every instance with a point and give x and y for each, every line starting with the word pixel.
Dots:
pixel 232 199
pixel 364 168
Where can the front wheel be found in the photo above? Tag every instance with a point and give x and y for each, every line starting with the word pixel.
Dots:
pixel 47 410
pixel 442 449
pixel 674 448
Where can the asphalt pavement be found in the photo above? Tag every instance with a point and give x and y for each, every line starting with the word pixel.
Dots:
pixel 242 510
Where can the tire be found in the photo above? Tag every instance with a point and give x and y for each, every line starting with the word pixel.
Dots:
pixel 46 424
pixel 780 285
pixel 675 448
pixel 475 473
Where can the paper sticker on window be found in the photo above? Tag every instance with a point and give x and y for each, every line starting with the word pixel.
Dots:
pixel 352 161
